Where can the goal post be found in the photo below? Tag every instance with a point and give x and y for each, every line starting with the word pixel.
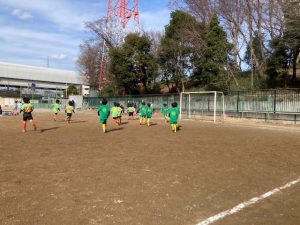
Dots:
pixel 203 105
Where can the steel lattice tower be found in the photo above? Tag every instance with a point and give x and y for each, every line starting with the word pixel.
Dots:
pixel 119 15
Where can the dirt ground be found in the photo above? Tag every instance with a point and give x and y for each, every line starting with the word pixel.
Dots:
pixel 136 175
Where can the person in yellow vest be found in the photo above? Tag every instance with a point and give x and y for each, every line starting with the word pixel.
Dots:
pixel 27 109
pixel 69 111
pixel 56 108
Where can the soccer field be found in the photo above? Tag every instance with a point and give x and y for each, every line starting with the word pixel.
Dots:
pixel 137 175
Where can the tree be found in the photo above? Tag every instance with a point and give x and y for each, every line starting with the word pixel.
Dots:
pixel 216 52
pixel 292 32
pixel 88 63
pixel 176 52
pixel 71 90
pixel 278 58
pixel 132 64
pixel 258 51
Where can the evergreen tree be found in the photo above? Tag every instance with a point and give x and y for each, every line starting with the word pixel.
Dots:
pixel 176 51
pixel 216 52
pixel 258 51
pixel 278 59
pixel 292 31
pixel 132 64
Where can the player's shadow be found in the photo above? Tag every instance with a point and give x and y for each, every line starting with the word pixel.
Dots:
pixel 48 129
pixel 115 129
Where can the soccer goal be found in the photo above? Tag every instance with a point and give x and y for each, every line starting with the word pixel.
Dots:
pixel 203 105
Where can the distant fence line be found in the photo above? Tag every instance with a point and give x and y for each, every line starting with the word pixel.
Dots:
pixel 261 101
pixel 279 101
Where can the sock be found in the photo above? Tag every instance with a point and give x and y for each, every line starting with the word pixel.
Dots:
pixel 24 125
pixel 104 127
pixel 33 124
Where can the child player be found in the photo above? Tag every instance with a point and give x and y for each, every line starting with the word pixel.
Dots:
pixel 131 111
pixel 149 114
pixel 173 114
pixel 69 110
pixel 27 109
pixel 56 109
pixel 115 111
pixel 121 110
pixel 103 112
pixel 164 111
pixel 143 112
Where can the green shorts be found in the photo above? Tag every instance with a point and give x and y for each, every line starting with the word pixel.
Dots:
pixel 103 121
pixel 173 122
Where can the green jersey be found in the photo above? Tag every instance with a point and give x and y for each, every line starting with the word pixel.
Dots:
pixel 149 112
pixel 55 107
pixel 27 108
pixel 143 111
pixel 104 112
pixel 174 113
pixel 164 110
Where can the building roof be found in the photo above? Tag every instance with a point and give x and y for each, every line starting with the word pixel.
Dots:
pixel 32 73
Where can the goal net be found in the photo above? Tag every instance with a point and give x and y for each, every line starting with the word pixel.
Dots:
pixel 204 105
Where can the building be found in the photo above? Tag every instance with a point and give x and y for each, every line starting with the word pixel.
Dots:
pixel 39 82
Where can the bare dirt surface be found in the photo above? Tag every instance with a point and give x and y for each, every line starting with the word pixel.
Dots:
pixel 136 175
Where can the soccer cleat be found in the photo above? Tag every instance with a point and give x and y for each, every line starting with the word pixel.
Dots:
pixel 23 130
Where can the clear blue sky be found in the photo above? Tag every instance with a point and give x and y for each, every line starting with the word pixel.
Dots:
pixel 32 30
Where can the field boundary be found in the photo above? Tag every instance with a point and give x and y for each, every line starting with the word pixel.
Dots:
pixel 245 204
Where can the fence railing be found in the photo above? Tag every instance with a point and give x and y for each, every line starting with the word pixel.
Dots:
pixel 271 101
pixel 284 101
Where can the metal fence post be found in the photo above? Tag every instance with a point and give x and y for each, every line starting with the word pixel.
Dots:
pixel 275 100
pixel 237 102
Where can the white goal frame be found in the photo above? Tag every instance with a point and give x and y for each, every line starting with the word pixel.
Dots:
pixel 215 93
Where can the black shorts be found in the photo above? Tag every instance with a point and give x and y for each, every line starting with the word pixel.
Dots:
pixel 69 115
pixel 130 113
pixel 27 116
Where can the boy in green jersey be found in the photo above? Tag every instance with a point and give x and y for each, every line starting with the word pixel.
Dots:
pixel 27 109
pixel 69 111
pixel 56 108
pixel 103 113
pixel 130 111
pixel 143 112
pixel 149 114
pixel 164 111
pixel 174 114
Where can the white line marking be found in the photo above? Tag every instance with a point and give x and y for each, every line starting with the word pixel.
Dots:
pixel 245 204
